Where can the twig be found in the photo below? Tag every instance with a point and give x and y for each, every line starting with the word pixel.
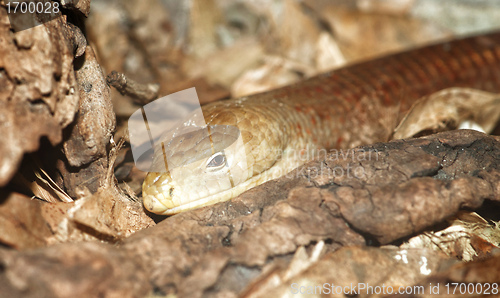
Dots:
pixel 140 93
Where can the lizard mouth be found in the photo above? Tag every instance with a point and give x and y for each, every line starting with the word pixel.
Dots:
pixel 155 203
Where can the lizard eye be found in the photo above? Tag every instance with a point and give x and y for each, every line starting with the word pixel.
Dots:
pixel 216 162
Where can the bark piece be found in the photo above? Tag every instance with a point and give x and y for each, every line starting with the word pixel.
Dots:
pixel 473 279
pixel 81 5
pixel 90 270
pixel 107 215
pixel 221 249
pixel 63 229
pixel 95 121
pixel 22 225
pixel 37 86
pixel 404 186
pixel 78 39
pixel 141 93
pixel 86 145
pixel 110 215
pixel 349 271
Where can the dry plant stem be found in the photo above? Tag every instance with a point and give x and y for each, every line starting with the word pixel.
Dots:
pixel 112 158
pixel 110 175
pixel 42 186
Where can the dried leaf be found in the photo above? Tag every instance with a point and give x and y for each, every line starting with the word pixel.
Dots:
pixel 275 72
pixel 224 66
pixel 362 35
pixel 469 237
pixel 447 109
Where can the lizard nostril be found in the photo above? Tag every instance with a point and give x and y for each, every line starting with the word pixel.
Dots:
pixel 171 192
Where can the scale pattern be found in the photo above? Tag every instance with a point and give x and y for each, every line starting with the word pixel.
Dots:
pixel 355 105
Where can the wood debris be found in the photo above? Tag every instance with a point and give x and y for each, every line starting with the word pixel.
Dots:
pixel 90 235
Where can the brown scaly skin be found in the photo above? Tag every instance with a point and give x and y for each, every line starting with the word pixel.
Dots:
pixel 355 105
